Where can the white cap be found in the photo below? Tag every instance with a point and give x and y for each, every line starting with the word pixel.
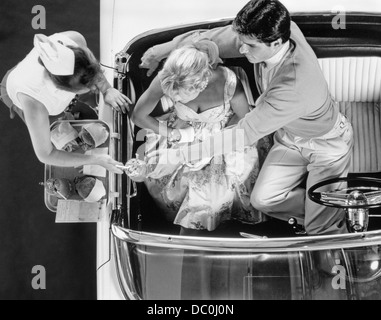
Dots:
pixel 97 193
pixel 58 59
pixel 62 135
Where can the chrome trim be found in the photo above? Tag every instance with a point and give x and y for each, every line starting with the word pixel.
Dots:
pixel 121 74
pixel 117 123
pixel 308 243
pixel 121 63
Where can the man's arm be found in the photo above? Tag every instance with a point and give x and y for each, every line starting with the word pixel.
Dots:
pixel 271 114
pixel 226 39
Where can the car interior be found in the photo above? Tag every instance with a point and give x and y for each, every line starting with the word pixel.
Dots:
pixel 154 263
pixel 350 59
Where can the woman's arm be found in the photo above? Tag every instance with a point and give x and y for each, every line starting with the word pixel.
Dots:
pixel 112 96
pixel 37 121
pixel 144 107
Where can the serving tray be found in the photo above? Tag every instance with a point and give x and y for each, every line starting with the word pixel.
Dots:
pixel 51 201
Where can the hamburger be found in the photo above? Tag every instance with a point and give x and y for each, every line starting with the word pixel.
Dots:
pixel 92 136
pixel 89 188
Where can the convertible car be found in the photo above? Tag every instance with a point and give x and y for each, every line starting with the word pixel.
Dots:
pixel 147 259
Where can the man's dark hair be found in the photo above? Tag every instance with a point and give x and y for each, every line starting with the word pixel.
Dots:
pixel 87 71
pixel 266 20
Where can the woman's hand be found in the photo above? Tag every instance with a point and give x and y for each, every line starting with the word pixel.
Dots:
pixel 117 100
pixel 109 164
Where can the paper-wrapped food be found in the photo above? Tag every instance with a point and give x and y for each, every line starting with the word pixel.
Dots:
pixel 90 188
pixel 64 137
pixel 60 187
pixel 136 169
pixel 93 135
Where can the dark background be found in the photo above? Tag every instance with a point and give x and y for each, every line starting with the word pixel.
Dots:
pixel 28 233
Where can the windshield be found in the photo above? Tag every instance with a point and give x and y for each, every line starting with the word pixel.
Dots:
pixel 155 267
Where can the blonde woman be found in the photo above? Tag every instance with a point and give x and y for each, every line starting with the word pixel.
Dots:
pixel 205 97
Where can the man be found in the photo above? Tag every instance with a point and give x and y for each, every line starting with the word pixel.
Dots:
pixel 311 137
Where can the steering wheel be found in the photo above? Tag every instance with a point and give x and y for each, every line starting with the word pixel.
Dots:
pixel 355 195
pixel 360 193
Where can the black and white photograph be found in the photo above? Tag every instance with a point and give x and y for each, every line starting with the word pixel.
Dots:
pixel 195 155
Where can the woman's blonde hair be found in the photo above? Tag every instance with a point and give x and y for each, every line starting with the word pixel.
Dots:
pixel 189 67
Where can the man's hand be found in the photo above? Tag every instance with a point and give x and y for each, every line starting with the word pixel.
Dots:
pixel 149 61
pixel 117 100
